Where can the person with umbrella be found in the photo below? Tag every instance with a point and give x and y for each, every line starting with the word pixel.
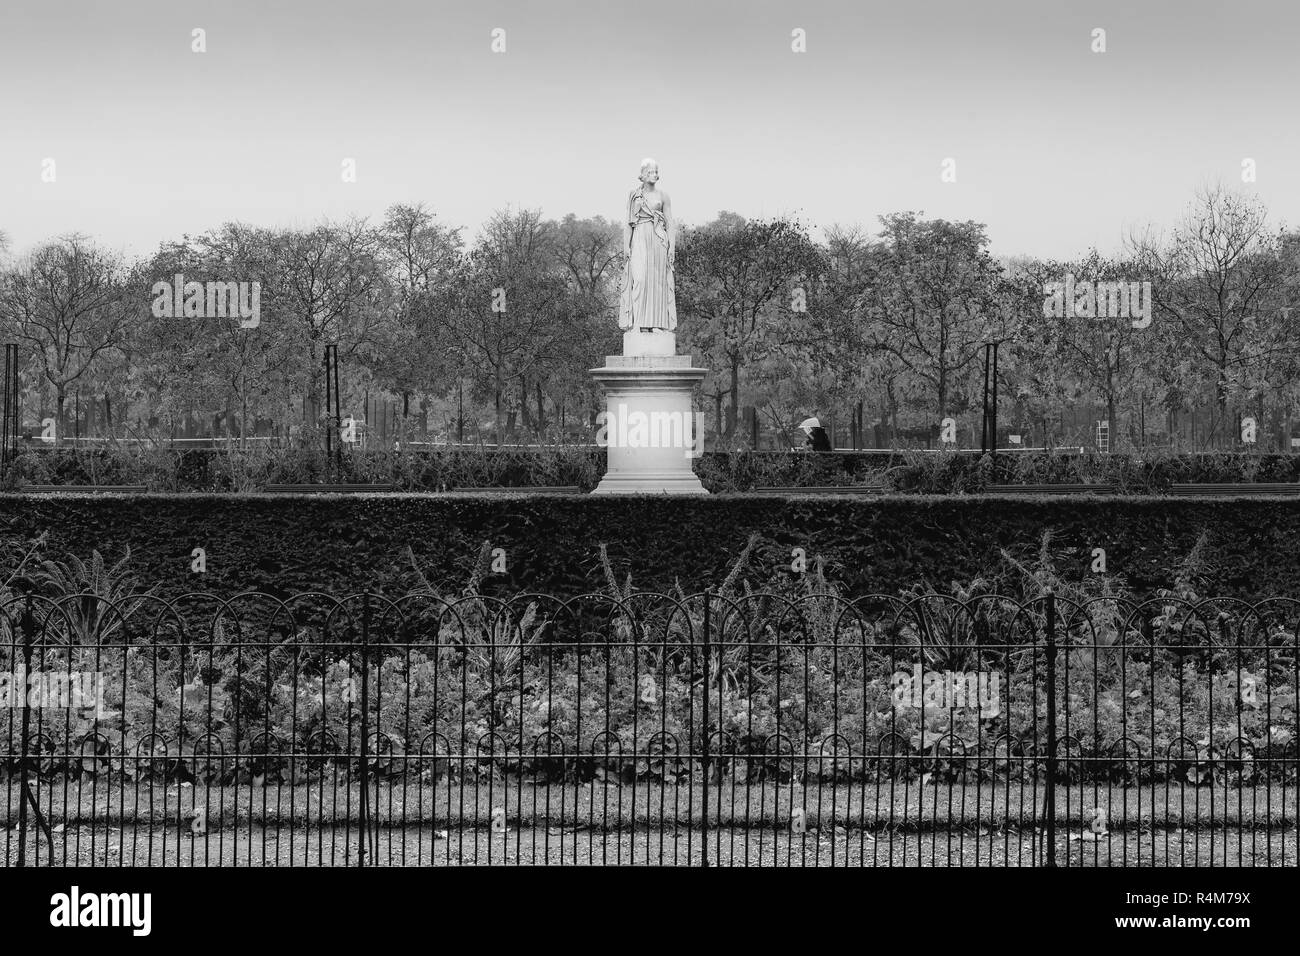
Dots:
pixel 818 440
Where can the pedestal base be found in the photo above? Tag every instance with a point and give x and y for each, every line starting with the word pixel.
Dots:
pixel 646 484
pixel 649 428
pixel 657 342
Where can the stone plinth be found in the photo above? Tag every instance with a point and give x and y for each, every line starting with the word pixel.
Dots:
pixel 649 428
pixel 658 342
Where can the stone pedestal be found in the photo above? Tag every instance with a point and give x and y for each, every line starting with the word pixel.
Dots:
pixel 649 428
pixel 659 342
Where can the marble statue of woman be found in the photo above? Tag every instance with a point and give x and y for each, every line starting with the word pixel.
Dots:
pixel 648 302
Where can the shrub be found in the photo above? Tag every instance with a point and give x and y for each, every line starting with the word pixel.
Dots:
pixel 424 468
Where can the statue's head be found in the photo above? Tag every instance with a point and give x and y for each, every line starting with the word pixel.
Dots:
pixel 649 171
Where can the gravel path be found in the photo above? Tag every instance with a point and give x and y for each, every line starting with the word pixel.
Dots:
pixel 412 846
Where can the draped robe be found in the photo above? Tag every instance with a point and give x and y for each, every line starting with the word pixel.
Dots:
pixel 648 299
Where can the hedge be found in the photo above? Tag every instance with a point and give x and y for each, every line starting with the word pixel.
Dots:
pixel 434 469
pixel 346 543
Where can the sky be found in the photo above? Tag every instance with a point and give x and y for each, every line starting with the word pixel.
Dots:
pixel 1055 147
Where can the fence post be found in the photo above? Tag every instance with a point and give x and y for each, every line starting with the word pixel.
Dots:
pixel 704 795
pixel 26 627
pixel 363 806
pixel 1050 802
pixel 9 429
pixel 25 795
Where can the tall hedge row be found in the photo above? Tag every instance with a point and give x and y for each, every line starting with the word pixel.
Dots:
pixel 344 543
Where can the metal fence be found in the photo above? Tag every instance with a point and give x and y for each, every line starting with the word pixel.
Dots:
pixel 709 729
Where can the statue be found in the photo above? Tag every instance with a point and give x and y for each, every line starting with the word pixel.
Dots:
pixel 648 302
pixel 649 428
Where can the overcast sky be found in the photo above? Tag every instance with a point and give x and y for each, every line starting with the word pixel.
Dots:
pixel 1056 148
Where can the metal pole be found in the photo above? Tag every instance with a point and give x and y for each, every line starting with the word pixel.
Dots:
pixel 984 406
pixel 329 448
pixel 704 796
pixel 10 372
pixel 25 796
pixel 363 808
pixel 338 401
pixel 338 398
pixel 4 440
pixel 16 410
pixel 993 408
pixel 23 743
pixel 1049 858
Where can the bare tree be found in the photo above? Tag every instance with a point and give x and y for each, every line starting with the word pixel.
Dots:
pixel 509 304
pixel 937 299
pixel 1215 282
pixel 331 287
pixel 735 285
pixel 412 354
pixel 69 302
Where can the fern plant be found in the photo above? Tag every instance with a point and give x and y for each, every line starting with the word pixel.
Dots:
pixel 98 598
pixel 19 561
pixel 493 639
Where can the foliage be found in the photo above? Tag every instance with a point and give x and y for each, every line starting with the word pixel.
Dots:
pixel 909 472
pixel 800 681
pixel 891 326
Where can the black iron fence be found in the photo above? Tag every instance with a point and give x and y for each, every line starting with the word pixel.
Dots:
pixel 709 729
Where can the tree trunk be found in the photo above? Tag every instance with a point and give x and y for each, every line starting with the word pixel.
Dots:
pixel 1110 419
pixel 497 394
pixel 733 401
pixel 60 415
pixel 524 407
